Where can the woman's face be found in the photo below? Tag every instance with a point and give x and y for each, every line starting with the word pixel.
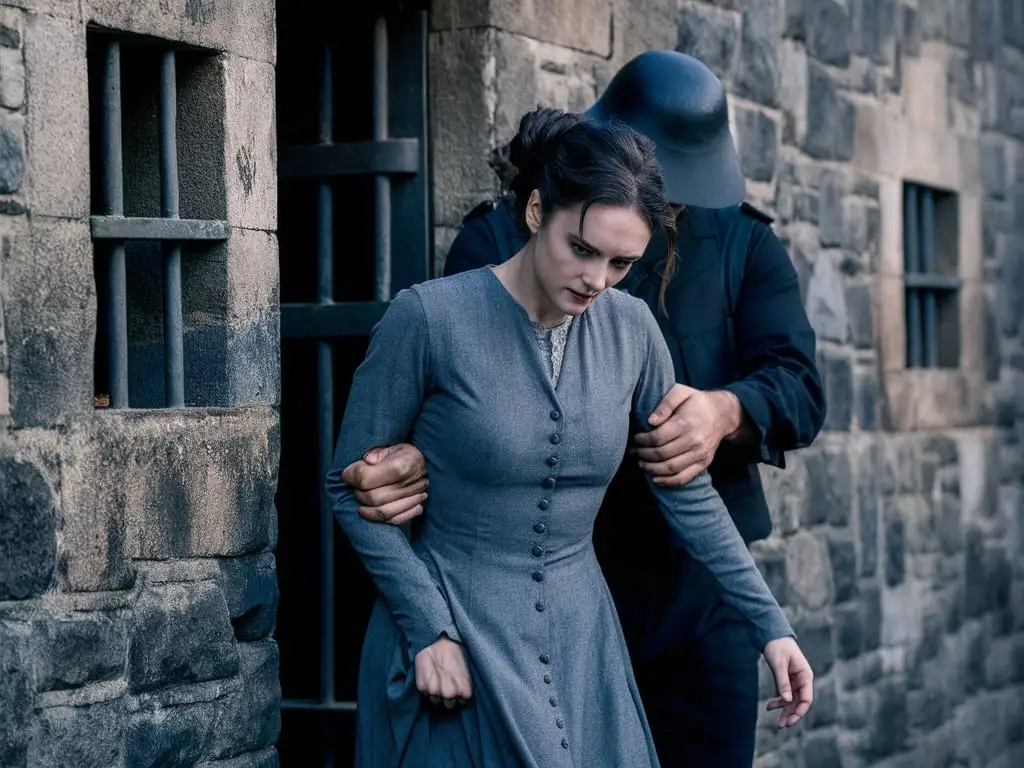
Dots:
pixel 575 267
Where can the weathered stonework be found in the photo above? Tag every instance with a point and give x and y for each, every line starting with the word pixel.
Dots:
pixel 898 547
pixel 138 590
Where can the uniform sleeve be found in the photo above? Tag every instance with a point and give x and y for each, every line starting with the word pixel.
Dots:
pixel 697 512
pixel 388 390
pixel 473 247
pixel 779 387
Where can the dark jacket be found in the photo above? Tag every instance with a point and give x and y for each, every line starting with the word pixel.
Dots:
pixel 734 320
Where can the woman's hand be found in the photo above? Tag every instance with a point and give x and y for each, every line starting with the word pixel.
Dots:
pixel 442 673
pixel 794 680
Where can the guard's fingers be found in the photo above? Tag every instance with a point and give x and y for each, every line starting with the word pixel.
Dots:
pixel 405 517
pixel 681 478
pixel 676 396
pixel 676 446
pixel 388 512
pixel 691 460
pixel 780 671
pixel 385 494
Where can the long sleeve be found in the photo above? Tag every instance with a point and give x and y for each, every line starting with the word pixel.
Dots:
pixel 779 387
pixel 387 393
pixel 697 512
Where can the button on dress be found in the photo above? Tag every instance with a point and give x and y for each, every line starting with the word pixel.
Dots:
pixel 520 447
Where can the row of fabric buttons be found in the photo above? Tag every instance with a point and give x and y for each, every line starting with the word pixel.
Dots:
pixel 540 527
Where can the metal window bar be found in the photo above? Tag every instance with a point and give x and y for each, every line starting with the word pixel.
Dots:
pixel 114 229
pixel 113 205
pixel 174 332
pixel 325 387
pixel 911 265
pixel 923 284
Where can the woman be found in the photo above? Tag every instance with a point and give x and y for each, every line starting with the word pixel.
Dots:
pixel 518 384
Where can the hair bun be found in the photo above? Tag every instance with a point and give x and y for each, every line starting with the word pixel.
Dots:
pixel 529 150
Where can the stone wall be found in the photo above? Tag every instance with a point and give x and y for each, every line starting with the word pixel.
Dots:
pixel 138 589
pixel 898 548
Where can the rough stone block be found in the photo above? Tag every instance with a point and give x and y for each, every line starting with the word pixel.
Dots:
pixel 250 143
pixel 808 570
pixel 830 228
pixel 253 722
pixel 871 617
pixel 75 651
pixel 830 485
pixel 462 81
pixel 53 322
pixel 843 558
pixel 94 543
pixel 12 153
pixel 826 301
pixel 710 34
pixel 837 372
pixel 759 74
pixel 241 720
pixel 816 643
pixel 182 634
pixel 831 118
pixel 867 520
pixel 822 749
pixel 252 362
pixel 245 27
pixel 529 73
pixel 828 31
pixel 79 736
pixel 888 734
pixel 583 25
pixel 873 28
pixel 151 484
pixel 861 316
pixel 250 588
pixel 28 522
pixel 58 118
pixel 895 546
pixel 757 142
pixel 265 758
pixel 849 632
pixel 15 693
pixel 12 77
pixel 793 92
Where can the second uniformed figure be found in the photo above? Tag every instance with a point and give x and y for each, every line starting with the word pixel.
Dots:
pixel 495 641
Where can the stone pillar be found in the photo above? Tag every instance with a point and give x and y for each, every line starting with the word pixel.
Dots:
pixel 138 591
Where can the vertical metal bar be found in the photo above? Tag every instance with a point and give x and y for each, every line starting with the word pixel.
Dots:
pixel 325 393
pixel 912 265
pixel 381 183
pixel 930 322
pixel 113 198
pixel 174 342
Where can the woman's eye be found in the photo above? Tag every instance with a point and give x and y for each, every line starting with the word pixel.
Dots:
pixel 621 264
pixel 579 250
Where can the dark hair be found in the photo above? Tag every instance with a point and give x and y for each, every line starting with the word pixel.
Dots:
pixel 571 159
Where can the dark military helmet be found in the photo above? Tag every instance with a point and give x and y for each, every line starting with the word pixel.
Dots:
pixel 677 102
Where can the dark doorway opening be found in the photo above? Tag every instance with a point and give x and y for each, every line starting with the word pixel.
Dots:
pixel 353 229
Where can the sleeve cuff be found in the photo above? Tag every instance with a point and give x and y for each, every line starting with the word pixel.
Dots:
pixel 432 630
pixel 756 407
pixel 778 627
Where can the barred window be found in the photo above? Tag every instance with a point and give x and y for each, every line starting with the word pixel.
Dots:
pixel 153 106
pixel 931 277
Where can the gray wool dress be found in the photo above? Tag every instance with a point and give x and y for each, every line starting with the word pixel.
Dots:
pixel 502 560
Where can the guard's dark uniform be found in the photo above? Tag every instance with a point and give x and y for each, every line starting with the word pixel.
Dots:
pixel 734 321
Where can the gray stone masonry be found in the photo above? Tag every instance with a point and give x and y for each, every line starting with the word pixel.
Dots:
pixel 898 548
pixel 138 589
